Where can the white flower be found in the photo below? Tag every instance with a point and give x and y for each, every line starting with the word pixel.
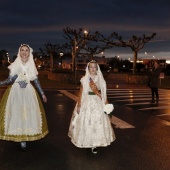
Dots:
pixel 108 108
pixel 22 77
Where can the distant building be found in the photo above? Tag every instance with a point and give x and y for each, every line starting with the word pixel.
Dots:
pixel 81 62
pixel 4 57
pixel 150 62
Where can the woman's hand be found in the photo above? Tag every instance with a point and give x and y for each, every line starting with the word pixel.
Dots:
pixel 44 98
pixel 106 102
pixel 78 109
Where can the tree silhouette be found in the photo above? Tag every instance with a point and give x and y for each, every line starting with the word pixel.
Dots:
pixel 78 40
pixel 52 49
pixel 84 43
pixel 94 45
pixel 135 43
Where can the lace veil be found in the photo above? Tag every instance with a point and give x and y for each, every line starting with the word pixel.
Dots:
pixel 85 82
pixel 17 67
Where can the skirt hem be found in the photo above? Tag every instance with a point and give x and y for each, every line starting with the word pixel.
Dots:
pixel 27 138
pixel 91 146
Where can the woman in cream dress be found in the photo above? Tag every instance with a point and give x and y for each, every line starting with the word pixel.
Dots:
pixel 22 116
pixel 90 127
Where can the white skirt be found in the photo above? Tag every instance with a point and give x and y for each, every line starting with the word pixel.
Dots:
pixel 91 127
pixel 22 113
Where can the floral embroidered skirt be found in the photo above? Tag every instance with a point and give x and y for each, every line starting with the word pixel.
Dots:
pixel 22 116
pixel 91 127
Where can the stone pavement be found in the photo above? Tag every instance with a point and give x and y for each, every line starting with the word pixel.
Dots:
pixel 145 147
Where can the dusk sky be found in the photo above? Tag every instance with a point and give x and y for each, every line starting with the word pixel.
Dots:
pixel 36 22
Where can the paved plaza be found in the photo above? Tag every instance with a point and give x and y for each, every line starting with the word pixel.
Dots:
pixel 142 134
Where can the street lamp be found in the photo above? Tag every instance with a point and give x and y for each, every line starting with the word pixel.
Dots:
pixel 75 48
pixel 146 54
pixel 61 54
pixel 85 32
pixel 7 54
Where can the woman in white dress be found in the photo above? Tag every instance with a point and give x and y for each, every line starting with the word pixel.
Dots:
pixel 90 127
pixel 22 116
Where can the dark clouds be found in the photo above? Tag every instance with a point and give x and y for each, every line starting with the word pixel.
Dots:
pixel 39 21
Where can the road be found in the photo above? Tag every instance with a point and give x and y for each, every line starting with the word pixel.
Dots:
pixel 142 136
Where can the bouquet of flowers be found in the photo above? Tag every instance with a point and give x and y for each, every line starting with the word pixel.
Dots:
pixel 108 108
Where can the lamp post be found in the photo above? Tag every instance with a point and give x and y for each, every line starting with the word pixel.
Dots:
pixel 85 32
pixel 7 54
pixel 73 54
pixel 146 55
pixel 75 48
pixel 61 54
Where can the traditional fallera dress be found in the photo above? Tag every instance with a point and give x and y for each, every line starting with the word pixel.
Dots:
pixel 91 127
pixel 22 116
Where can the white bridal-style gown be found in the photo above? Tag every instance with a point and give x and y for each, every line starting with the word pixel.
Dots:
pixel 22 113
pixel 91 127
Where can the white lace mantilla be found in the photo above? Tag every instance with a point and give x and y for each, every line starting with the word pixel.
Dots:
pixel 91 127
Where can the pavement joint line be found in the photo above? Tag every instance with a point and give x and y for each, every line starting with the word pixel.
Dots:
pixel 141 103
pixel 156 108
pixel 119 89
pixel 120 93
pixel 132 96
pixel 138 99
pixel 120 123
pixel 166 114
pixel 131 99
pixel 166 122
pixel 135 94
pixel 114 120
pixel 70 95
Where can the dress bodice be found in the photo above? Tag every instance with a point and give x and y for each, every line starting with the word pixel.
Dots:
pixel 96 81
